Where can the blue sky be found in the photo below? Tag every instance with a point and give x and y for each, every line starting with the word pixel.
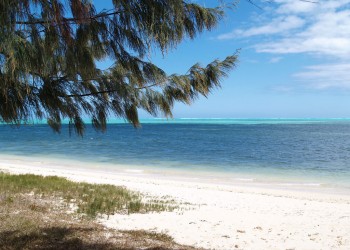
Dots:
pixel 294 61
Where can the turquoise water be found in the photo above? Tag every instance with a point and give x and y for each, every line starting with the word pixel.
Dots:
pixel 310 151
pixel 222 121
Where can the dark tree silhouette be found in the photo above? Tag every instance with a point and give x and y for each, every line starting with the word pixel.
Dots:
pixel 49 51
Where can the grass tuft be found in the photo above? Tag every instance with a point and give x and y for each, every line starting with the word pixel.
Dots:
pixel 90 199
pixel 37 213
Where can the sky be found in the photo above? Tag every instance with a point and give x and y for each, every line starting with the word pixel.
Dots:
pixel 293 61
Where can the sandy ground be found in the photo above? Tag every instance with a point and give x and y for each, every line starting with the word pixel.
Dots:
pixel 216 216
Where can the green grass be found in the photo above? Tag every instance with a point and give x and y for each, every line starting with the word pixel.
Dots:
pixel 36 213
pixel 90 199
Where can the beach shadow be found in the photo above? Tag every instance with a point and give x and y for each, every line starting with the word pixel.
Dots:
pixel 58 238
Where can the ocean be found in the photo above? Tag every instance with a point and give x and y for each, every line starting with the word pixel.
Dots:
pixel 304 152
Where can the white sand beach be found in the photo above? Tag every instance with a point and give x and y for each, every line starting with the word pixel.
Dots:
pixel 217 216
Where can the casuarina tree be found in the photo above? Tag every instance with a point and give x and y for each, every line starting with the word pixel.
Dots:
pixel 50 52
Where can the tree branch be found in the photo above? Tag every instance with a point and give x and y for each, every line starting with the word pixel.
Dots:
pixel 108 91
pixel 70 19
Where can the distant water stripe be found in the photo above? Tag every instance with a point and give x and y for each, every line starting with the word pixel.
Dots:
pixel 213 121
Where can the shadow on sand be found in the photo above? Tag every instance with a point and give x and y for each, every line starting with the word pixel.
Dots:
pixel 60 238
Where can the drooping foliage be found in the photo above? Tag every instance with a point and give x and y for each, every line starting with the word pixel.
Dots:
pixel 49 51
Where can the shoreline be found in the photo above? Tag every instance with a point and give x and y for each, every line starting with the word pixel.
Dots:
pixel 220 216
pixel 260 181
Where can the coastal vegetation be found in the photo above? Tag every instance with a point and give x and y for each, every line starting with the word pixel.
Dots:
pixel 54 213
pixel 88 199
pixel 54 56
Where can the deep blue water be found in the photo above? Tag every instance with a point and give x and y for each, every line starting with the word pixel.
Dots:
pixel 292 148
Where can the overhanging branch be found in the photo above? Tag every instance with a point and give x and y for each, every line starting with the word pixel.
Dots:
pixel 75 20
pixel 108 91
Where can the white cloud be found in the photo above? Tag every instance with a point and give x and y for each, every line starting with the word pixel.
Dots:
pixel 326 76
pixel 328 33
pixel 276 26
pixel 295 6
pixel 298 27
pixel 293 26
pixel 338 47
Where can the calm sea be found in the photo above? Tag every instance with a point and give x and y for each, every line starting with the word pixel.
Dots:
pixel 309 151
